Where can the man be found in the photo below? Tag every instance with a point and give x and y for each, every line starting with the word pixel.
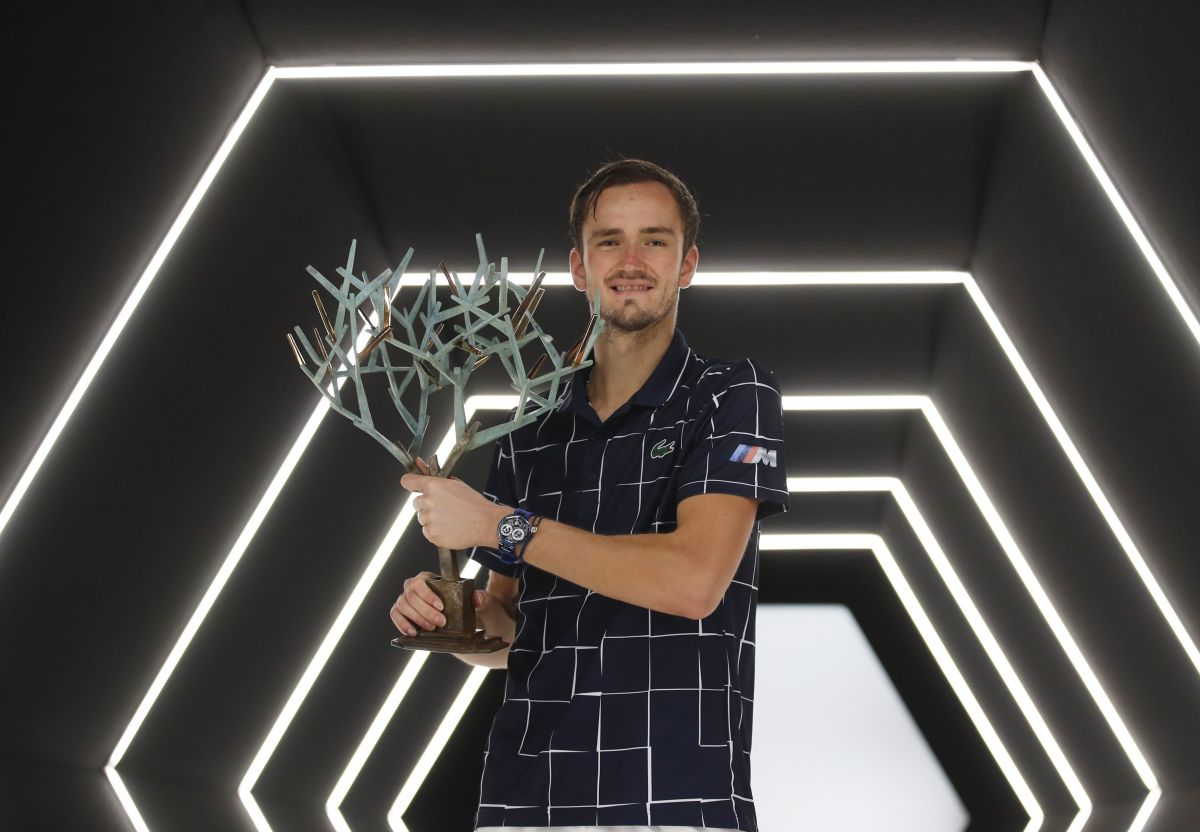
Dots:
pixel 630 605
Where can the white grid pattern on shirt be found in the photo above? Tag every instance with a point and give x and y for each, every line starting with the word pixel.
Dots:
pixel 708 482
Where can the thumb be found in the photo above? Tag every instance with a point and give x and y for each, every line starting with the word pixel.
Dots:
pixel 479 598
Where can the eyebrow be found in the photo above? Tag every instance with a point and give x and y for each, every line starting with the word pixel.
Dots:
pixel 650 229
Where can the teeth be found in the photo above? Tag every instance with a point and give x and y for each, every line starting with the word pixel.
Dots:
pixel 631 288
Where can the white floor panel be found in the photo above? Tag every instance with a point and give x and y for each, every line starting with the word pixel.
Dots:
pixel 835 749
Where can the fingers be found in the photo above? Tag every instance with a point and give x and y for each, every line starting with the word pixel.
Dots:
pixel 416 482
pixel 400 619
pixel 479 598
pixel 408 616
pixel 418 587
pixel 418 606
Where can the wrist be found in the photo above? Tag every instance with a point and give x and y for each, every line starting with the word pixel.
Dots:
pixel 492 541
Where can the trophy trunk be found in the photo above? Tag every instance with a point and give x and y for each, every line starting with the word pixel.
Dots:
pixel 457 593
pixel 457 605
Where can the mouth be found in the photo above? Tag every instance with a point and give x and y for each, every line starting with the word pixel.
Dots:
pixel 629 288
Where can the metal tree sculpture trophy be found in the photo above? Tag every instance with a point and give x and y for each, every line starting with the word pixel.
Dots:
pixel 369 334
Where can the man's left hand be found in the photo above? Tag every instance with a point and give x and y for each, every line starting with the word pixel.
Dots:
pixel 452 513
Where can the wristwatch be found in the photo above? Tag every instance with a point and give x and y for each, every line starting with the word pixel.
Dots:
pixel 515 531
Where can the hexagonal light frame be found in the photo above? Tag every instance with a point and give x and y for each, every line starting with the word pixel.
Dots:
pixel 767 542
pixel 691 68
pixel 920 527
pixel 987 509
pixel 791 402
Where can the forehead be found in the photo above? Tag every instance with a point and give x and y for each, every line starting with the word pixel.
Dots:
pixel 635 205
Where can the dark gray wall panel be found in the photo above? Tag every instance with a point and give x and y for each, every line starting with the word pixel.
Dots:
pixel 791 172
pixel 1179 809
pixel 165 460
pixel 1120 369
pixel 1067 545
pixel 116 113
pixel 41 796
pixel 932 473
pixel 176 805
pixel 118 538
pixel 1128 71
pixel 317 31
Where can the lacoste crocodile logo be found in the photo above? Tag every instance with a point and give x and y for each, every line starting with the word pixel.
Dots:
pixel 662 449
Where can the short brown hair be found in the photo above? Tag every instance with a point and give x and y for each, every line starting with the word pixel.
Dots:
pixel 629 172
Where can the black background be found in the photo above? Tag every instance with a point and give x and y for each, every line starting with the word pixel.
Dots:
pixel 116 112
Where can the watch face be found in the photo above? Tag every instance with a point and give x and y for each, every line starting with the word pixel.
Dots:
pixel 513 529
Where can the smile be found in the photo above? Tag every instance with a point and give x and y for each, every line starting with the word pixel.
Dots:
pixel 630 288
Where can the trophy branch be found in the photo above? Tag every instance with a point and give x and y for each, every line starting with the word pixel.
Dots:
pixel 422 349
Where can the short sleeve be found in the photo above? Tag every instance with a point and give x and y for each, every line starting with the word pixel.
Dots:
pixel 500 489
pixel 739 450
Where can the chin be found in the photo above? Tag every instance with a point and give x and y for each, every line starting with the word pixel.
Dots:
pixel 640 323
pixel 630 317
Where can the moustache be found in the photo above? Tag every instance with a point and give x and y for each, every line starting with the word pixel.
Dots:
pixel 623 276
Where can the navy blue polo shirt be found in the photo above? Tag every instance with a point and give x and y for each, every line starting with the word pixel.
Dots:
pixel 615 714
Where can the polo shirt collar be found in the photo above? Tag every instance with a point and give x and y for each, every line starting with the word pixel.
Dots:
pixel 653 393
pixel 662 381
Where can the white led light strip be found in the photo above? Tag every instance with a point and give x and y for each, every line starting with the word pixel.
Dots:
pixel 358 759
pixel 135 297
pixel 265 503
pixel 1008 544
pixel 975 620
pixel 1118 203
pixel 658 68
pixel 1085 475
pixel 702 278
pixel 690 68
pixel 434 748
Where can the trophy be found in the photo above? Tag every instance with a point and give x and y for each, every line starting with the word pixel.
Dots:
pixel 436 345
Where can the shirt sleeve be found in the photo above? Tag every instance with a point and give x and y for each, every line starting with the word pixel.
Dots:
pixel 740 449
pixel 500 489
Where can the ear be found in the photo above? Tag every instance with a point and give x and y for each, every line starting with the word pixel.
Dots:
pixel 687 269
pixel 578 276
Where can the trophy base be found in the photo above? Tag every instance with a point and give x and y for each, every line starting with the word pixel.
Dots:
pixel 443 642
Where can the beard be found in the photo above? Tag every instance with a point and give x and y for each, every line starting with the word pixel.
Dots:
pixel 627 315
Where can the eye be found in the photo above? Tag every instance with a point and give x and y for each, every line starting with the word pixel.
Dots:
pixel 658 242
pixel 606 242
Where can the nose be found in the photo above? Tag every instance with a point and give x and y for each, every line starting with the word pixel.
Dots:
pixel 632 261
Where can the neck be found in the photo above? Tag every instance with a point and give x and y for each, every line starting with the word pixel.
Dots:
pixel 624 360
